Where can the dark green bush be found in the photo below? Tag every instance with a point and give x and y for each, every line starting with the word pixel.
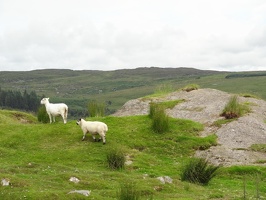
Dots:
pixel 198 171
pixel 42 115
pixel 116 159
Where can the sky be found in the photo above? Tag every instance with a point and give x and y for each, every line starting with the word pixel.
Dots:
pixel 223 35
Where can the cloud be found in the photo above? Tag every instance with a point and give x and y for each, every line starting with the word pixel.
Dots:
pixel 108 35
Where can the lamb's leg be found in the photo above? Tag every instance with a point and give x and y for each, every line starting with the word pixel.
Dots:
pixel 103 137
pixel 84 135
pixel 50 117
pixel 94 138
pixel 64 118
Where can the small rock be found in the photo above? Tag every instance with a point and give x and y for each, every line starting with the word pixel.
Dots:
pixel 83 192
pixel 5 182
pixel 74 179
pixel 161 179
pixel 128 162
pixel 165 179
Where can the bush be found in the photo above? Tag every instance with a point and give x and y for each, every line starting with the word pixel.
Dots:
pixel 198 171
pixel 233 109
pixel 160 121
pixel 128 191
pixel 116 159
pixel 42 115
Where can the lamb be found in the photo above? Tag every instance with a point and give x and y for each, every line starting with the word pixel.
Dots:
pixel 94 128
pixel 56 109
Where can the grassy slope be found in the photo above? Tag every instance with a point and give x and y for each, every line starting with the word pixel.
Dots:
pixel 76 88
pixel 39 159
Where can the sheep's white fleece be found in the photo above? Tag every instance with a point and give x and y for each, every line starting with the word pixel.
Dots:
pixel 94 128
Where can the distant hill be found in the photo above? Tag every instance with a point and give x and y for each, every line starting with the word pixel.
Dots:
pixel 78 87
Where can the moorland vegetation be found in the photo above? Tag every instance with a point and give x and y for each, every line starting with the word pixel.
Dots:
pixel 38 159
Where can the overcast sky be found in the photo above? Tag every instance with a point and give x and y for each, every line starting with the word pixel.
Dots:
pixel 117 34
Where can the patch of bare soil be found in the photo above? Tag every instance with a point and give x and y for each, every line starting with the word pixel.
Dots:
pixel 205 106
pixel 21 118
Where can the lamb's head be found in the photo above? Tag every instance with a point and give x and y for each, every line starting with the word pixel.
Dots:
pixel 45 101
pixel 78 122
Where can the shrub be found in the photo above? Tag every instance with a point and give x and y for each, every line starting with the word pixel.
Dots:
pixel 128 191
pixel 96 109
pixel 42 115
pixel 191 87
pixel 233 109
pixel 160 121
pixel 198 171
pixel 116 159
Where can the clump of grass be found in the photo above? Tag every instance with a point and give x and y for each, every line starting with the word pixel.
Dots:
pixel 96 109
pixel 190 87
pixel 197 170
pixel 116 159
pixel 233 109
pixel 258 147
pixel 170 104
pixel 220 122
pixel 128 191
pixel 160 121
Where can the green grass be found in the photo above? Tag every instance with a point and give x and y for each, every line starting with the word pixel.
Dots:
pixel 258 147
pixel 220 122
pixel 233 109
pixel 39 160
pixel 190 87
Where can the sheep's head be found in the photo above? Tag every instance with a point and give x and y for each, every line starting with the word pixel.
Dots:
pixel 78 121
pixel 44 101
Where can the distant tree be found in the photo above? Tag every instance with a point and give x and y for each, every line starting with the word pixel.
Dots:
pixel 14 99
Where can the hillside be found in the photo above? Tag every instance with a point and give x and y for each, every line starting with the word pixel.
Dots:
pixel 39 161
pixel 77 88
pixel 235 139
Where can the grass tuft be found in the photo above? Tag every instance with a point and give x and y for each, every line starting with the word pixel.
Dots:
pixel 96 109
pixel 128 191
pixel 190 87
pixel 160 121
pixel 198 171
pixel 233 109
pixel 116 159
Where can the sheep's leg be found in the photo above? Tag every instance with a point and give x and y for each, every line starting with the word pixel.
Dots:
pixel 94 138
pixel 50 117
pixel 103 137
pixel 84 135
pixel 64 119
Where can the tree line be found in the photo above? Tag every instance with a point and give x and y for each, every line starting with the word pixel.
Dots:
pixel 17 100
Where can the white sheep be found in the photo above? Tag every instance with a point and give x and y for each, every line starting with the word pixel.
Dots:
pixel 55 109
pixel 94 128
